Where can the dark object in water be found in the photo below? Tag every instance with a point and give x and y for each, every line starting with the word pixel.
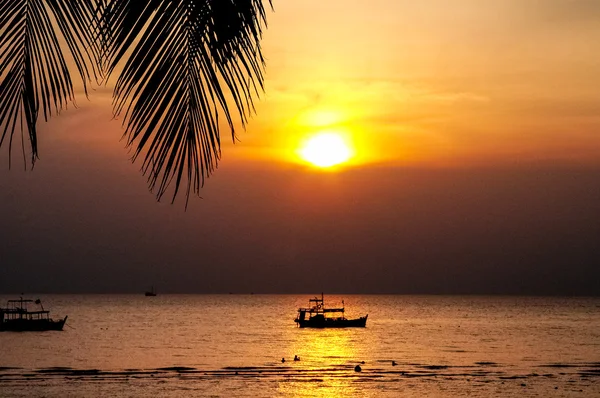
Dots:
pixel 394 363
pixel 282 360
pixel 357 368
pixel 321 317
pixel 17 317
pixel 150 293
pixel 296 358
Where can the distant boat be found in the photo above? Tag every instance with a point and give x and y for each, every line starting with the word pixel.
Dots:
pixel 17 317
pixel 151 293
pixel 321 317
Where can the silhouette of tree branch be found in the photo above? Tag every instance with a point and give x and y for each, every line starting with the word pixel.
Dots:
pixel 185 64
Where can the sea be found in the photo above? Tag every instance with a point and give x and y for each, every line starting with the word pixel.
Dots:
pixel 235 345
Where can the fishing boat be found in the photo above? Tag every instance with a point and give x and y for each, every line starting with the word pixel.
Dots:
pixel 151 292
pixel 318 316
pixel 18 317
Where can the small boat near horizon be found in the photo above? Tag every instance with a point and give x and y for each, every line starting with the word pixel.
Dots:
pixel 151 292
pixel 321 317
pixel 17 317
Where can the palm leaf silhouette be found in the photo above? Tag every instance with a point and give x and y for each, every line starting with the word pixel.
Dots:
pixel 192 57
pixel 184 63
pixel 32 64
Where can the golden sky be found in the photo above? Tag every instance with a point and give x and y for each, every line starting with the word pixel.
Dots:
pixel 432 83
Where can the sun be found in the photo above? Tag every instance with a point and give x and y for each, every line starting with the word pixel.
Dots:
pixel 326 150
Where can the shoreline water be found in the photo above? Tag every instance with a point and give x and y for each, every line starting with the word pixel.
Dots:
pixel 232 345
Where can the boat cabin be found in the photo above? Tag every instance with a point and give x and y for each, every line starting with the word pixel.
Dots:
pixel 316 315
pixel 17 316
pixel 18 310
pixel 317 310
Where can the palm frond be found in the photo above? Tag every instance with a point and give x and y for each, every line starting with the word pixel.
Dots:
pixel 32 64
pixel 194 59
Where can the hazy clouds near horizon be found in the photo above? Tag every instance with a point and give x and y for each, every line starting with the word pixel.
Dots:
pixel 370 230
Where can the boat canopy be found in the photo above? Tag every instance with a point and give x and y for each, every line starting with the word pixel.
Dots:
pixel 321 317
pixel 319 308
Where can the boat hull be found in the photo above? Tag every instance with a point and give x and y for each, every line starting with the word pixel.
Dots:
pixel 322 323
pixel 38 325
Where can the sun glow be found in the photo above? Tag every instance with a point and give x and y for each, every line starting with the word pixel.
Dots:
pixel 326 150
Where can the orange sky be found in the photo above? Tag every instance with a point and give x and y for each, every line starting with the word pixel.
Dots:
pixel 433 83
pixel 426 84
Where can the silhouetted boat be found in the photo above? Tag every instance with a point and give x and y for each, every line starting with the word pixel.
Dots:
pixel 17 317
pixel 151 293
pixel 321 317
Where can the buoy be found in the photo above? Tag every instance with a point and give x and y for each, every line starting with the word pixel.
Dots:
pixel 282 360
pixel 357 368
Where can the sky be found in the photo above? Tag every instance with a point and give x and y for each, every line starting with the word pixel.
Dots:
pixel 474 132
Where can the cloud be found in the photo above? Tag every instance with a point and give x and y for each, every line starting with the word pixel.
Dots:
pixel 562 16
pixel 566 11
pixel 451 97
pixel 385 229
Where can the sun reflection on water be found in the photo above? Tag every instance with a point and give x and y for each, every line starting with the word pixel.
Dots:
pixel 327 361
pixel 333 376
pixel 321 388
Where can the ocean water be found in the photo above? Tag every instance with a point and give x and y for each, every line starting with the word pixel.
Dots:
pixel 232 346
